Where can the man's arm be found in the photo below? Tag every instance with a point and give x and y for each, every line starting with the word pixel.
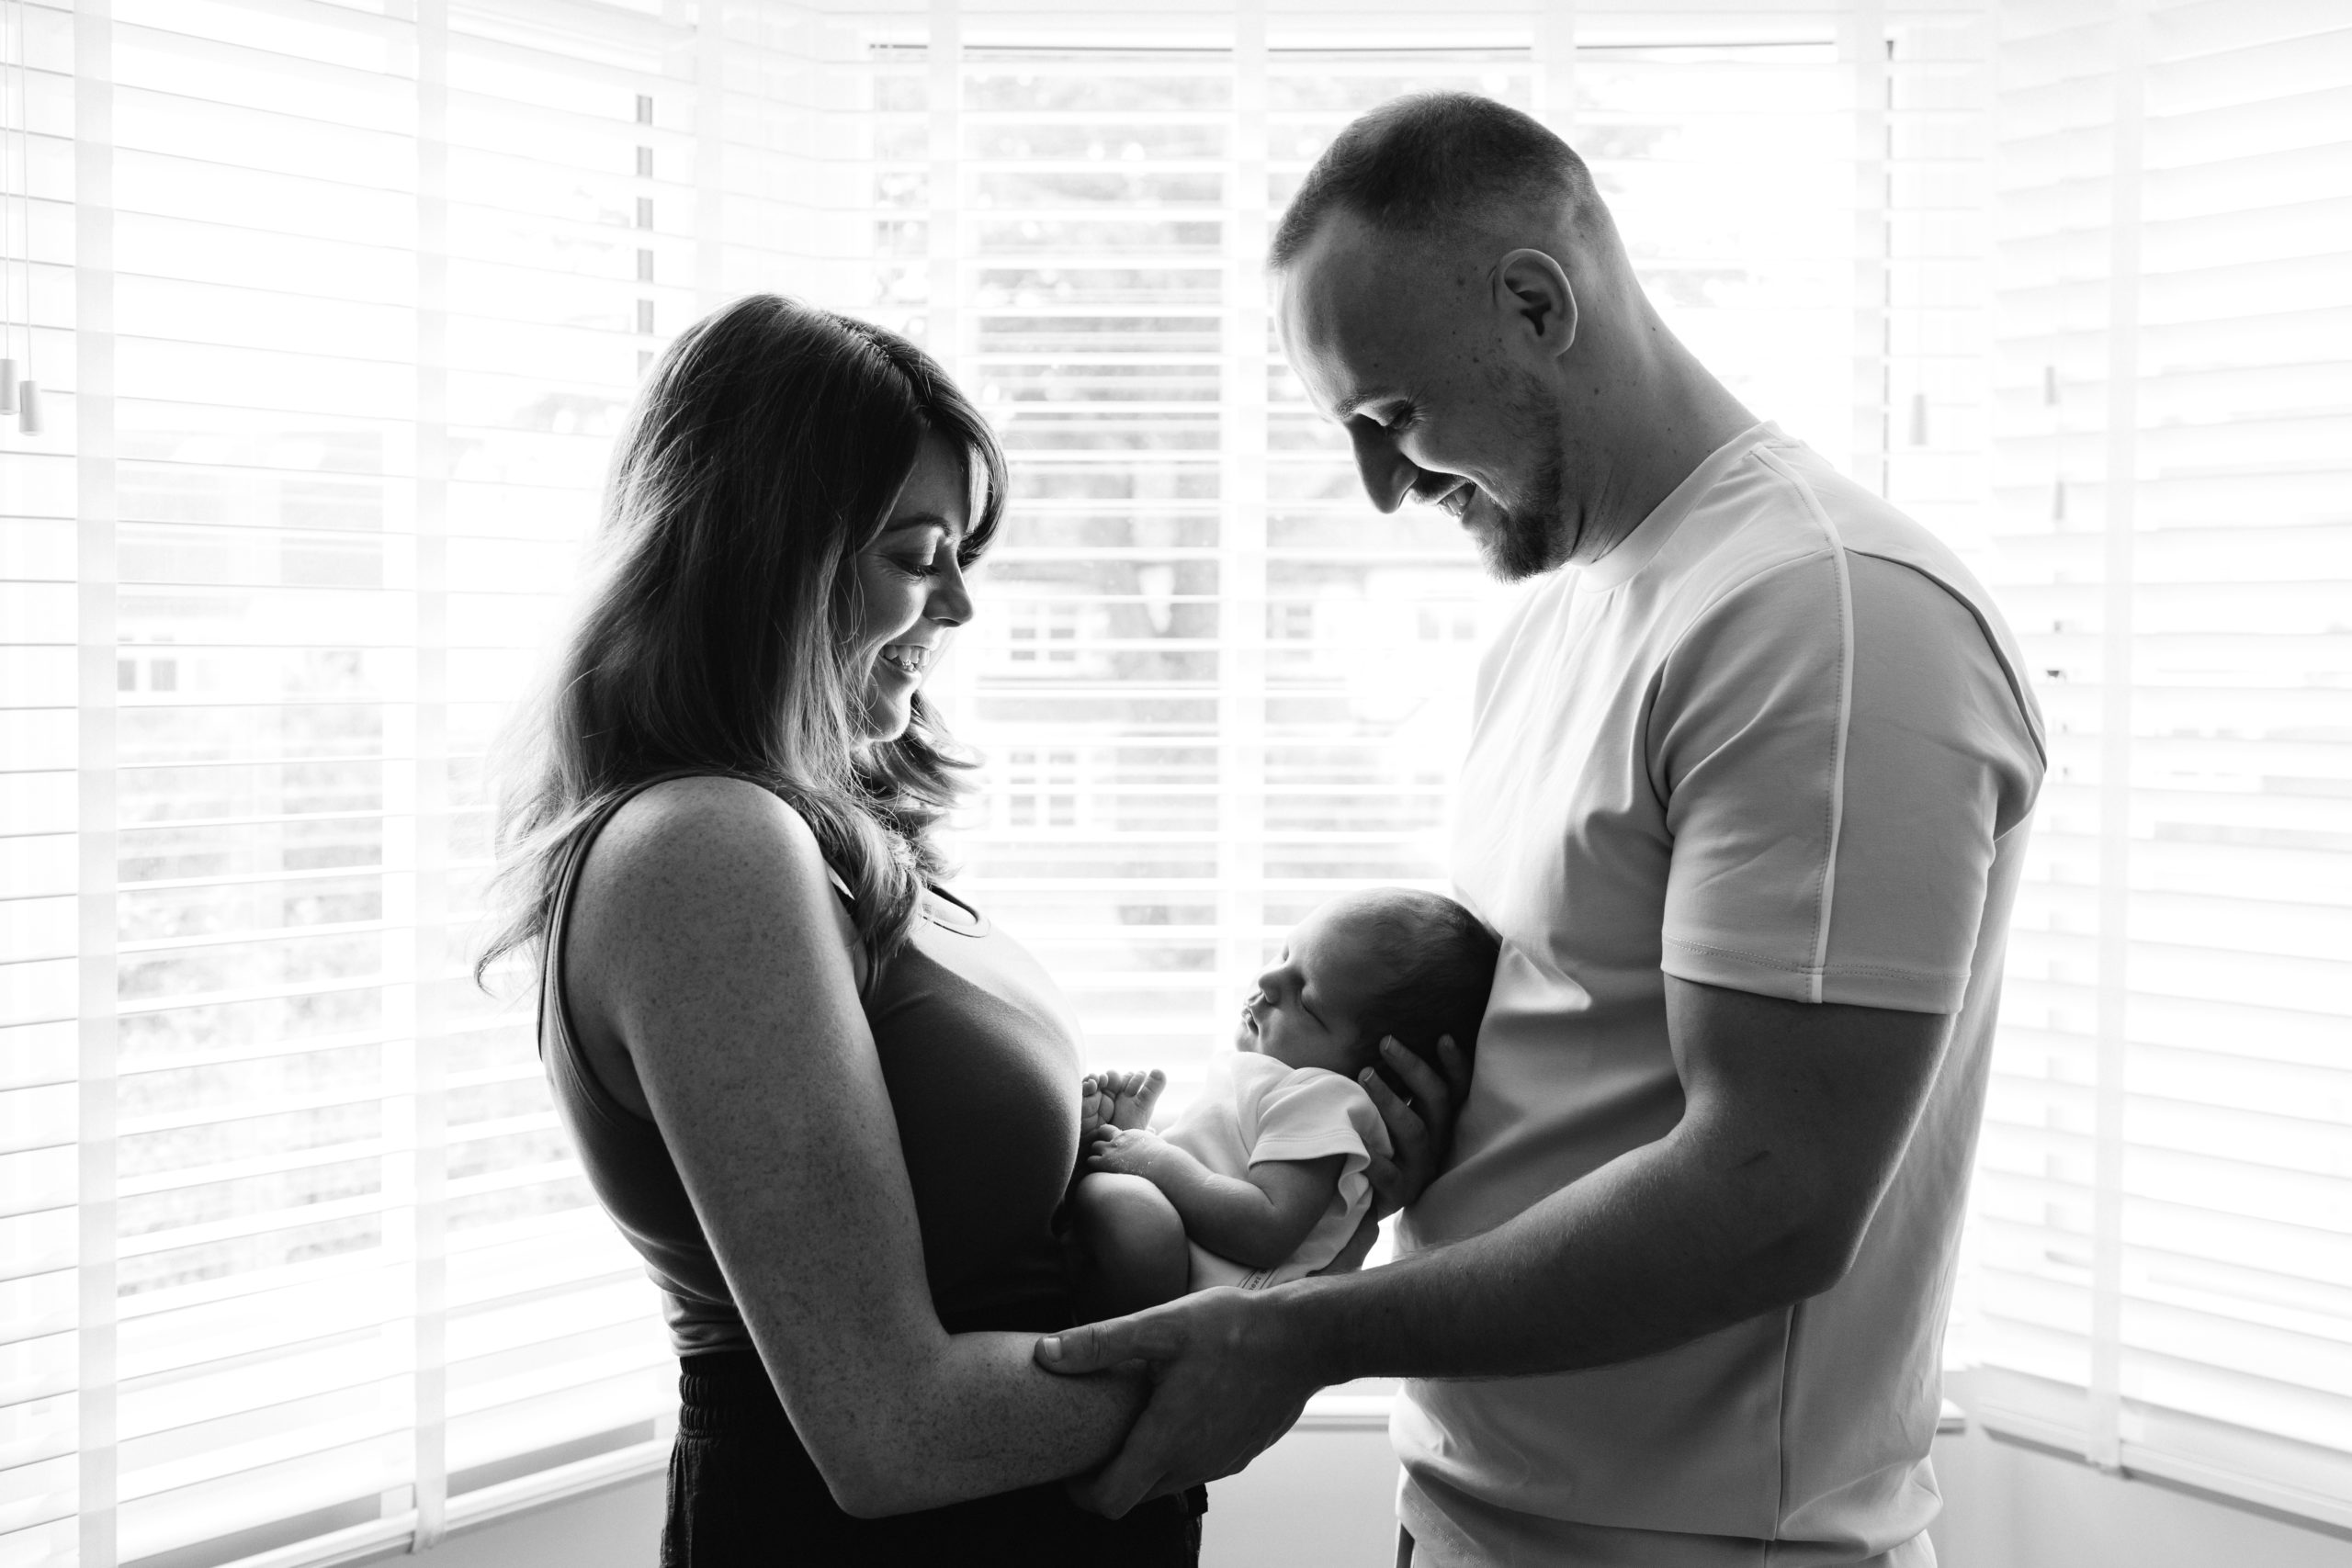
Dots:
pixel 1795 1118
pixel 1259 1221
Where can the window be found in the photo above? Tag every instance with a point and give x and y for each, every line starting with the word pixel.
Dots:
pixel 292 1257
pixel 294 1251
pixel 1041 787
pixel 2163 1278
pixel 1262 681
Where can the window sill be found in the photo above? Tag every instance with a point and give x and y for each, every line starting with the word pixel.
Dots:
pixel 384 1539
pixel 1361 1406
pixel 1350 1407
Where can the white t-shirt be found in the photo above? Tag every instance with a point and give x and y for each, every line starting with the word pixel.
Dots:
pixel 1777 740
pixel 1254 1108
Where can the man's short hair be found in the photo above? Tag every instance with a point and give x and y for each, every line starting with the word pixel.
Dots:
pixel 1430 164
pixel 1440 966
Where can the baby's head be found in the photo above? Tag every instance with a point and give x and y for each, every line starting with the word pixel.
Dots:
pixel 1385 962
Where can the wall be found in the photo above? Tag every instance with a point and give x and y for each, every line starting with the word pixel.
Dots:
pixel 2009 1506
pixel 1324 1494
pixel 1322 1498
pixel 620 1527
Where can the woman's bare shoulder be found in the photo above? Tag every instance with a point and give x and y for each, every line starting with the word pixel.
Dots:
pixel 705 825
pixel 696 861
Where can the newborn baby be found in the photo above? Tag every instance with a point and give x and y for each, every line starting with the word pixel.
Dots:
pixel 1261 1181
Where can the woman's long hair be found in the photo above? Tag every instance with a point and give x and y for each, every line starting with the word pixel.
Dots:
pixel 764 454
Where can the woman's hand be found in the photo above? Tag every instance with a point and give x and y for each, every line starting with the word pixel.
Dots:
pixel 1421 1129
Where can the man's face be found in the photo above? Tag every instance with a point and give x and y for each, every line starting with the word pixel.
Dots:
pixel 1408 355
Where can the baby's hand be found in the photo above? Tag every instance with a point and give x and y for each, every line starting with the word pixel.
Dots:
pixel 1125 1151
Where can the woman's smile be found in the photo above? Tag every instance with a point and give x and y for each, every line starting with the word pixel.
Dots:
pixel 910 585
pixel 909 659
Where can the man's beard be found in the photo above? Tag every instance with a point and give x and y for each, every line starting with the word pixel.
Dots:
pixel 1529 534
pixel 1531 537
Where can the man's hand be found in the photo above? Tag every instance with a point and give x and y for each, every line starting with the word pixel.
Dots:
pixel 1420 1129
pixel 1226 1384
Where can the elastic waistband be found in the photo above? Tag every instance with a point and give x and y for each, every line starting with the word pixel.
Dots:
pixel 728 1392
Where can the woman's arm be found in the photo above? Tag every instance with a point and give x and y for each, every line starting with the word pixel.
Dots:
pixel 1259 1221
pixel 706 944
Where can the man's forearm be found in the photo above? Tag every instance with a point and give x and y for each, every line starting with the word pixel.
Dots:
pixel 1795 1117
pixel 1659 1246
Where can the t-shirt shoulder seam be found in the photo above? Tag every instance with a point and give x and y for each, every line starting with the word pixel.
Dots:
pixel 1818 554
pixel 1830 548
pixel 1825 546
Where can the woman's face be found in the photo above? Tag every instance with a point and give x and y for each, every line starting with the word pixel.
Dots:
pixel 911 587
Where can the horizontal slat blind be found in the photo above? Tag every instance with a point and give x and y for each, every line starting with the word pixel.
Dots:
pixel 1212 686
pixel 2165 1198
pixel 55 581
pixel 379 290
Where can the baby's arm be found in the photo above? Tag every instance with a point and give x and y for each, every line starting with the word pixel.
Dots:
pixel 1259 1221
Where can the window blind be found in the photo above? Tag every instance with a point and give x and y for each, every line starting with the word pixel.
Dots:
pixel 339 308
pixel 2165 1198
pixel 351 303
pixel 345 306
pixel 1214 685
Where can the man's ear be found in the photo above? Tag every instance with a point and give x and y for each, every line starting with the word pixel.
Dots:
pixel 1533 289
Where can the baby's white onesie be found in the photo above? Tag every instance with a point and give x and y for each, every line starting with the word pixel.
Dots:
pixel 1253 1108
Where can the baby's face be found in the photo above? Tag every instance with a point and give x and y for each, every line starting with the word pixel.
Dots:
pixel 1309 1008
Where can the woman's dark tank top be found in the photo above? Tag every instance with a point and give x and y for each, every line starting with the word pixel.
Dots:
pixel 980 1056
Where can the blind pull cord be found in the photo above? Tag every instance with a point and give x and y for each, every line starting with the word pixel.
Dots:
pixel 8 262
pixel 27 392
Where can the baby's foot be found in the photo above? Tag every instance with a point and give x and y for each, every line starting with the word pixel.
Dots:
pixel 1135 1096
pixel 1093 1108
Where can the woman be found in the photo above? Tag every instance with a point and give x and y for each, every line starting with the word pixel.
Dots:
pixel 832 1108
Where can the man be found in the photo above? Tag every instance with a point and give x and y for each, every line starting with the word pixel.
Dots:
pixel 1752 766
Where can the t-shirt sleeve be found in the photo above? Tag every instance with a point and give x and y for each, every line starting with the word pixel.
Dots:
pixel 1839 759
pixel 1309 1114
